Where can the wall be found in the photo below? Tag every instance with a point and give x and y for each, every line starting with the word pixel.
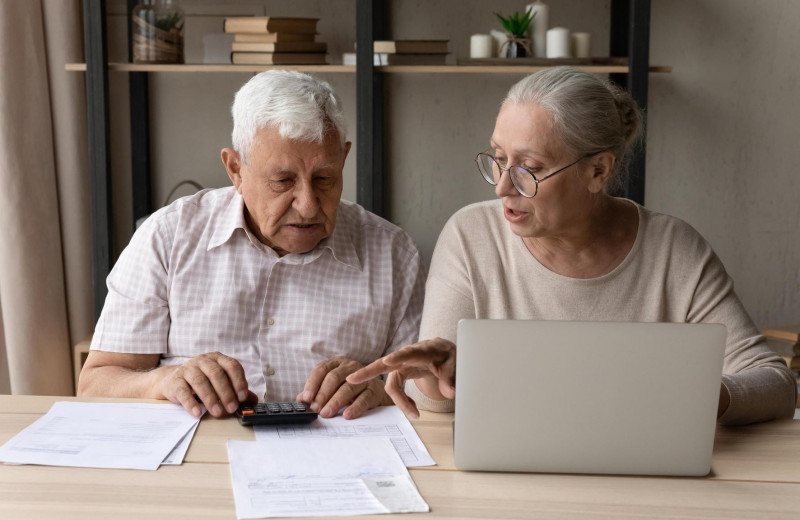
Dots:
pixel 722 126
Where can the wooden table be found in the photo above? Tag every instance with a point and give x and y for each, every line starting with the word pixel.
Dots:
pixel 755 474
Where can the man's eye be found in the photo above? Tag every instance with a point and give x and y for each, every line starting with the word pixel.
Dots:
pixel 281 184
pixel 500 160
pixel 324 181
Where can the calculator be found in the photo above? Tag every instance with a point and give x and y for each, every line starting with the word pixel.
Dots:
pixel 271 414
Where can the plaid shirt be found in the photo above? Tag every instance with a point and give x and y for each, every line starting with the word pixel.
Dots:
pixel 194 279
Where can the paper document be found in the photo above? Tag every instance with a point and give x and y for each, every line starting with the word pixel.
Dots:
pixel 101 435
pixel 177 454
pixel 321 477
pixel 797 413
pixel 383 421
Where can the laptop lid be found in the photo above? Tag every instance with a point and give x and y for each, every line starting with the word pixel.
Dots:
pixel 587 397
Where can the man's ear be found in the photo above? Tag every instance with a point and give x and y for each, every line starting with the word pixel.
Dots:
pixel 347 146
pixel 602 166
pixel 233 164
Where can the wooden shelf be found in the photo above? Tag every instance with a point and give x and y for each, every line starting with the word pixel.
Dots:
pixel 205 67
pixel 435 69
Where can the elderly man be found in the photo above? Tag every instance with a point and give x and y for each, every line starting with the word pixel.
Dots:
pixel 273 288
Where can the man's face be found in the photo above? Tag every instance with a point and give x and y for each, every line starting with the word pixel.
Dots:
pixel 291 189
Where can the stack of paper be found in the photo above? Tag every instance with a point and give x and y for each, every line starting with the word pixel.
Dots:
pixel 104 435
pixel 329 467
pixel 383 421
pixel 321 477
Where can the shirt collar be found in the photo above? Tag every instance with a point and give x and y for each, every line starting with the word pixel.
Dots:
pixel 340 243
pixel 228 221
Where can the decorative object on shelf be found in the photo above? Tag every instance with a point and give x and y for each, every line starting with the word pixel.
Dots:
pixel 407 52
pixel 271 40
pixel 499 41
pixel 581 45
pixel 480 46
pixel 558 43
pixel 538 28
pixel 516 25
pixel 157 32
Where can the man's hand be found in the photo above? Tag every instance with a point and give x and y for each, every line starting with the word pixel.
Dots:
pixel 432 363
pixel 326 391
pixel 214 379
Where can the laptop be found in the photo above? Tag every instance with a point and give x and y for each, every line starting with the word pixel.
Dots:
pixel 587 397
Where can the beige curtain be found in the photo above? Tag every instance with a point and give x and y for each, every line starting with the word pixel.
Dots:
pixel 45 242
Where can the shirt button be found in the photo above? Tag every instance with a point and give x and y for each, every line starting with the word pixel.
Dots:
pixel 270 371
pixel 270 321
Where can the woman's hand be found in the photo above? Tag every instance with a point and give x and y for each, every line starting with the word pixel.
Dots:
pixel 431 362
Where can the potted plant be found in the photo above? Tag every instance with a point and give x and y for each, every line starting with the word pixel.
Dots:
pixel 517 46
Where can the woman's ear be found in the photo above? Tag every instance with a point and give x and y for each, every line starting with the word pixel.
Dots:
pixel 233 165
pixel 602 166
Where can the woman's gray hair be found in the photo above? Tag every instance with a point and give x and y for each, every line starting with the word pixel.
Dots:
pixel 591 115
pixel 298 105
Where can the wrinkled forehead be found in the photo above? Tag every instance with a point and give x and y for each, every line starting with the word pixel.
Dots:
pixel 527 128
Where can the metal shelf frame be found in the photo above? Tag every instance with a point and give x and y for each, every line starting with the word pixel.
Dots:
pixel 630 37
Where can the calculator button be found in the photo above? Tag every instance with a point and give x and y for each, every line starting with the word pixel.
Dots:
pixel 286 407
pixel 247 412
pixel 299 407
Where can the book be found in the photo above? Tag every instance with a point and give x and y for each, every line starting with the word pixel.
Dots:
pixel 384 58
pixel 279 47
pixel 785 341
pixel 270 24
pixel 278 58
pixel 411 46
pixel 272 37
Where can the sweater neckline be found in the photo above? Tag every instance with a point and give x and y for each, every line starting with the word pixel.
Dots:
pixel 536 264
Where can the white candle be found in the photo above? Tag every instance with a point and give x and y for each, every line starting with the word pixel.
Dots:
pixel 480 46
pixel 581 45
pixel 558 43
pixel 499 38
pixel 538 28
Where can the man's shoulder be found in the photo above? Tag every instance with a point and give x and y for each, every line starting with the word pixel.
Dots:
pixel 190 209
pixel 365 227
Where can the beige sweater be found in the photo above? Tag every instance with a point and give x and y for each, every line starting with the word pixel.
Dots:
pixel 480 269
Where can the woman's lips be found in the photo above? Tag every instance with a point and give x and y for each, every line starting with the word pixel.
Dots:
pixel 512 215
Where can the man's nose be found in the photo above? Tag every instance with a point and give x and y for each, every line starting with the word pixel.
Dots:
pixel 504 186
pixel 306 200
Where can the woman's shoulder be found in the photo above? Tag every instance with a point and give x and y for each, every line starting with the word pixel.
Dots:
pixel 486 216
pixel 667 231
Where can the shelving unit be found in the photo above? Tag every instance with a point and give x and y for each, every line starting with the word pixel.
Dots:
pixel 630 33
pixel 423 69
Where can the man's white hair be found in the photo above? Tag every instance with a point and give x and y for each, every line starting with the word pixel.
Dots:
pixel 298 105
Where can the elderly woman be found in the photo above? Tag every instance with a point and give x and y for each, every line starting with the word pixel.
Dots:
pixel 557 246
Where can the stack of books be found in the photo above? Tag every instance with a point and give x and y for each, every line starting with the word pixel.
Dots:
pixel 785 341
pixel 268 40
pixel 405 52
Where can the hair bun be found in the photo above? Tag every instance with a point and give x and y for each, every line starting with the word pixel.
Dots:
pixel 630 115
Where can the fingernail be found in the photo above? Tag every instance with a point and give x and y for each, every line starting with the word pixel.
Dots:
pixel 196 411
pixel 326 412
pixel 314 407
pixel 231 407
pixel 242 395
pixel 306 396
pixel 216 410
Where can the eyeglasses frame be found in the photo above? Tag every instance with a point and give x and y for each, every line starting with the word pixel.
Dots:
pixel 533 176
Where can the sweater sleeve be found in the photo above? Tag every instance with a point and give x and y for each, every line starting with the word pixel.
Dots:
pixel 760 384
pixel 448 298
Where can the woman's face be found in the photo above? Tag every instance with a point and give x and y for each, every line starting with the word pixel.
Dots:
pixel 524 136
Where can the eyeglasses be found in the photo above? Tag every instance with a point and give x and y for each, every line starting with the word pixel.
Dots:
pixel 523 179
